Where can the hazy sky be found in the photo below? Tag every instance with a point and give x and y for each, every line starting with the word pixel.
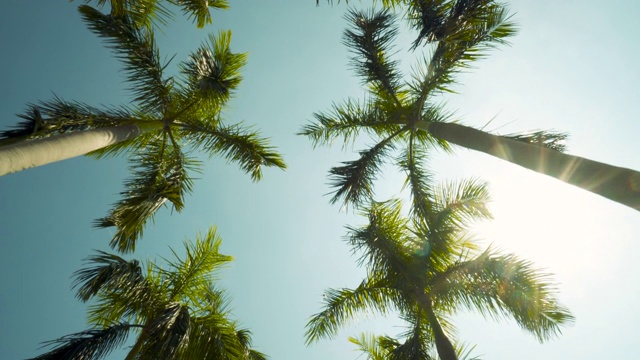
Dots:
pixel 573 67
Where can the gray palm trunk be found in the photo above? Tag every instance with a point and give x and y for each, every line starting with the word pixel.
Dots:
pixel 444 347
pixel 619 184
pixel 31 153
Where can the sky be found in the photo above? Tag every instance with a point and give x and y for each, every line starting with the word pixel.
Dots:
pixel 572 67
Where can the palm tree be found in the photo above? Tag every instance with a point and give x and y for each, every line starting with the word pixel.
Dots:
pixel 425 267
pixel 405 114
pixel 177 312
pixel 168 116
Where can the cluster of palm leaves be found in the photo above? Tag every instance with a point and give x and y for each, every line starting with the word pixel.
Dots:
pixel 407 113
pixel 176 310
pixel 422 264
pixel 176 116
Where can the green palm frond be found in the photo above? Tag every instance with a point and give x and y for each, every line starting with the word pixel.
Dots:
pixel 461 41
pixel 191 277
pixel 418 179
pixel 342 305
pixel 461 203
pixel 236 143
pixel 136 48
pixel 370 38
pixel 145 13
pixel 198 10
pixel 381 242
pixel 168 334
pixel 354 180
pixel 111 272
pixel 346 121
pixel 372 346
pixel 213 72
pixel 90 344
pixel 160 174
pixel 549 139
pixel 505 286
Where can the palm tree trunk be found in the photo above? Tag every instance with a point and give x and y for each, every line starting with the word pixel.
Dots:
pixel 31 153
pixel 619 184
pixel 445 348
pixel 135 349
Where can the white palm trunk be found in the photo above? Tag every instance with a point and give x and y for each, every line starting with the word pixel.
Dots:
pixel 619 184
pixel 31 153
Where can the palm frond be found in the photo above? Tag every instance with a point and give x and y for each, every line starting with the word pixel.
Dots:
pixel 198 10
pixel 381 242
pixel 354 180
pixel 504 285
pixel 168 334
pixel 192 276
pixel 369 39
pixel 372 347
pixel 418 178
pixel 215 337
pixel 90 344
pixel 549 139
pixel 111 272
pixel 213 71
pixel 461 203
pixel 160 174
pixel 342 305
pixel 347 120
pixel 135 46
pixel 462 40
pixel 236 143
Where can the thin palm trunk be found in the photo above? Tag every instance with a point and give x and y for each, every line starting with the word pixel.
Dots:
pixel 619 184
pixel 135 349
pixel 445 348
pixel 31 153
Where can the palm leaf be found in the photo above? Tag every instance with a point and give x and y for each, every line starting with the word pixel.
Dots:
pixel 160 174
pixel 503 285
pixel 549 139
pixel 236 143
pixel 136 48
pixel 354 180
pixel 370 38
pixel 381 242
pixel 191 277
pixel 198 10
pixel 89 344
pixel 112 272
pixel 168 334
pixel 342 305
pixel 213 71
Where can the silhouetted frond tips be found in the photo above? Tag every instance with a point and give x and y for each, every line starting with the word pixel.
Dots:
pixel 90 344
pixel 549 139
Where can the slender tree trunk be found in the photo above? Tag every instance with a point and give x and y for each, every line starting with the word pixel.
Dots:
pixel 31 153
pixel 135 349
pixel 619 184
pixel 445 348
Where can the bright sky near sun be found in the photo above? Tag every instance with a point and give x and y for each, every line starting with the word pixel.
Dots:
pixel 573 67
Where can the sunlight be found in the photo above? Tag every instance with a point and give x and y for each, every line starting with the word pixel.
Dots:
pixel 544 220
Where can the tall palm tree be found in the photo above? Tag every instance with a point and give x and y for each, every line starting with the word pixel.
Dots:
pixel 426 267
pixel 168 116
pixel 176 312
pixel 405 114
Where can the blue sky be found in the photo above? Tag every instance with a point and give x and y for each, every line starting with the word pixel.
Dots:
pixel 573 67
